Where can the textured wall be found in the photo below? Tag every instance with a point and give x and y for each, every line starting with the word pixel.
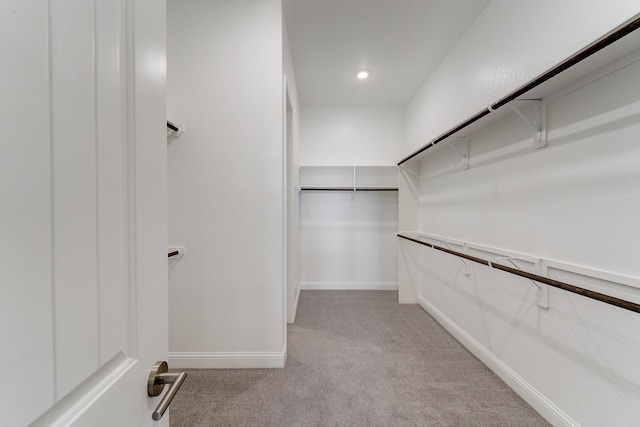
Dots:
pixel 510 43
pixel 226 180
pixel 350 136
pixel 574 201
pixel 291 184
pixel 347 241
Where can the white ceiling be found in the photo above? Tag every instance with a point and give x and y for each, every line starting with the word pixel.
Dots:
pixel 400 42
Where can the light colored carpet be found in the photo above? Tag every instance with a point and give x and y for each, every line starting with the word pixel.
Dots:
pixel 356 358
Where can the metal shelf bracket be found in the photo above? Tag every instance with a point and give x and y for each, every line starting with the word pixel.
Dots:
pixel 465 248
pixel 174 130
pixel 176 252
pixel 539 122
pixel 464 154
pixel 543 291
pixel 540 269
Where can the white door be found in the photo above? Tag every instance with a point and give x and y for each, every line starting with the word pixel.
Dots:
pixel 83 268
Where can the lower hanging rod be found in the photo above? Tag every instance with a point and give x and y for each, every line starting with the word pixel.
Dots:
pixel 627 305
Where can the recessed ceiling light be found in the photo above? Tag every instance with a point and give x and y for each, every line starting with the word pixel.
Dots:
pixel 362 74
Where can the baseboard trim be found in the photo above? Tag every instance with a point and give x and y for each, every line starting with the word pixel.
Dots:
pixel 228 360
pixel 531 395
pixel 349 286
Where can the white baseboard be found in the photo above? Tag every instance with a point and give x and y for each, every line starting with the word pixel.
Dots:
pixel 349 286
pixel 532 396
pixel 227 360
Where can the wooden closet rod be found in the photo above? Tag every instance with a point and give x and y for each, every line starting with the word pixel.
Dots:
pixel 627 305
pixel 566 64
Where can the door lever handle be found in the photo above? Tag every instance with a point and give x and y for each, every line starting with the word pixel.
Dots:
pixel 158 377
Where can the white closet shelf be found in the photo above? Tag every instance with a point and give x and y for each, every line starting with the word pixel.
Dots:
pixel 348 178
pixel 474 252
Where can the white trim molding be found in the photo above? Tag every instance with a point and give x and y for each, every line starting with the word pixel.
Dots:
pixel 228 360
pixel 349 286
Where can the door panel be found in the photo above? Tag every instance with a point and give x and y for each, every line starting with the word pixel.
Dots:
pixel 83 197
pixel 111 179
pixel 25 214
pixel 73 147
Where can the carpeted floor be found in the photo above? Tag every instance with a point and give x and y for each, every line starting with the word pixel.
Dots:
pixel 356 358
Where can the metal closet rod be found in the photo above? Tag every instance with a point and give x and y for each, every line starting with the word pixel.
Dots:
pixel 627 305
pixel 568 63
pixel 348 189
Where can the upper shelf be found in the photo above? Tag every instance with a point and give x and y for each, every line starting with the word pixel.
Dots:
pixel 348 178
pixel 618 43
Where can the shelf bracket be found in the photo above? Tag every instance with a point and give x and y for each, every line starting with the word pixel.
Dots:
pixel 176 252
pixel 539 122
pixel 407 170
pixel 465 154
pixel 543 291
pixel 174 130
pixel 465 267
pixel 540 269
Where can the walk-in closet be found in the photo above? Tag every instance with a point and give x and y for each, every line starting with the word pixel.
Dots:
pixel 499 194
pixel 320 213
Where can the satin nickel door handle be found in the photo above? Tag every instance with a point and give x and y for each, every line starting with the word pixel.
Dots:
pixel 157 380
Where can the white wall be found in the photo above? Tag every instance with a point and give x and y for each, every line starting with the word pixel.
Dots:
pixel 574 201
pixel 292 217
pixel 347 241
pixel 511 42
pixel 408 220
pixel 226 202
pixel 343 136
